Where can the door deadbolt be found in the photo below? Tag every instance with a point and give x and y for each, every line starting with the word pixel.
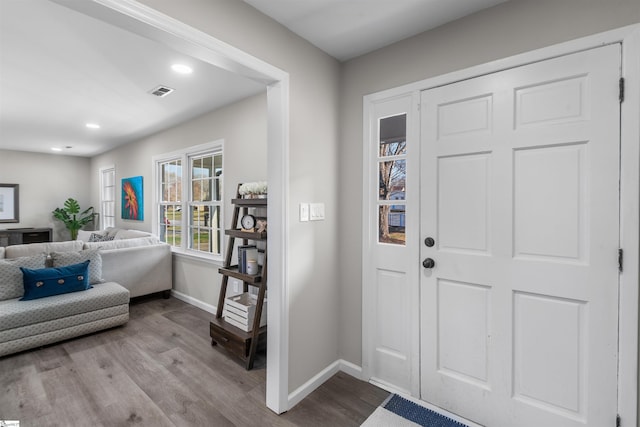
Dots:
pixel 429 242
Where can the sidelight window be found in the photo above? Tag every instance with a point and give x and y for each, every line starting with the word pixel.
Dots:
pixel 392 173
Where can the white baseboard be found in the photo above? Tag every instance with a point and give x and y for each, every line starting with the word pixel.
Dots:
pixel 307 388
pixel 351 369
pixel 195 302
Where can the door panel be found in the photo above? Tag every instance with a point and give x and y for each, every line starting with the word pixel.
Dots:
pixel 550 208
pixel 546 103
pixel 538 371
pixel 519 188
pixel 477 114
pixel 463 202
pixel 459 329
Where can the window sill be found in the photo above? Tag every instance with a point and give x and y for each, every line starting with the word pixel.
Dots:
pixel 192 255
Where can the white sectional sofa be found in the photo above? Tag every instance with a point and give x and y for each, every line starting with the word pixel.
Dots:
pixel 130 265
pixel 137 260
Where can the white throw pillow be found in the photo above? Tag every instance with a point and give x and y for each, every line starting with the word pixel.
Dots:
pixel 96 237
pixel 11 284
pixel 84 235
pixel 61 259
pixel 111 231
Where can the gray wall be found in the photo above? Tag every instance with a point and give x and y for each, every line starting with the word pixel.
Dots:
pixel 243 127
pixel 51 179
pixel 513 27
pixel 314 84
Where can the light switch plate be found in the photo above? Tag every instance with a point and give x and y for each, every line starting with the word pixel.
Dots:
pixel 304 212
pixel 316 211
pixel 236 286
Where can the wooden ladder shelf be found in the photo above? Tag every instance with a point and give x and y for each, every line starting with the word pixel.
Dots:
pixel 235 340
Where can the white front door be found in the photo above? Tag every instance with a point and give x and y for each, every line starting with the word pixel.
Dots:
pixel 520 194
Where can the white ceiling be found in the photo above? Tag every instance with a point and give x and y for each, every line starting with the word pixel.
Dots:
pixel 346 29
pixel 60 69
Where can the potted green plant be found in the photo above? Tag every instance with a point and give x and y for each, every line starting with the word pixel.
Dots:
pixel 71 216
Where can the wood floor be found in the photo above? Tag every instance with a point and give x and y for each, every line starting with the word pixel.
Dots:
pixel 160 370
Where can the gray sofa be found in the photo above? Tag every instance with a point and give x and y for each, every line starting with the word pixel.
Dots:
pixel 128 266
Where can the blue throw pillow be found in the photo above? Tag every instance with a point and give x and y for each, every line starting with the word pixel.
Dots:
pixel 46 282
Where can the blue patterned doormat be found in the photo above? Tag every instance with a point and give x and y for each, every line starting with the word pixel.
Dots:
pixel 399 412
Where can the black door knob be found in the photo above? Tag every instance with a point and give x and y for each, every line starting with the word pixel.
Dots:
pixel 428 263
pixel 429 242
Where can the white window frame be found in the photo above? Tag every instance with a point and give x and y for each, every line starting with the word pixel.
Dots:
pixel 184 156
pixel 105 211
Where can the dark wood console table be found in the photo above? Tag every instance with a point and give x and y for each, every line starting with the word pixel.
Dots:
pixel 19 236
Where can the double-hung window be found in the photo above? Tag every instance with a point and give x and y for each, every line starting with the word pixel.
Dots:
pixel 108 196
pixel 189 200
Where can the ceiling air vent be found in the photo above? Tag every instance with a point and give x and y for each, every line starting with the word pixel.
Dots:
pixel 161 91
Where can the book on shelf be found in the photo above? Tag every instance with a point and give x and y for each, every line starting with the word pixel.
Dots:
pixel 245 253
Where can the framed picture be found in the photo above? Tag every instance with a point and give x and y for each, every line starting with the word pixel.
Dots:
pixel 132 198
pixel 9 203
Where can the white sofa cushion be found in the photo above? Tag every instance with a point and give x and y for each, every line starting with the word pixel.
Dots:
pixel 131 234
pixel 113 233
pixel 31 249
pixel 11 284
pixel 123 243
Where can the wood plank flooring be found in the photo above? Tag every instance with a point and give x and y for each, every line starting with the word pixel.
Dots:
pixel 160 370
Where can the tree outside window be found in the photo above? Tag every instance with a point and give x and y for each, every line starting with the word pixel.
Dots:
pixel 392 172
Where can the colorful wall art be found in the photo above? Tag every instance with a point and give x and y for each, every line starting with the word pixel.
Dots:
pixel 132 198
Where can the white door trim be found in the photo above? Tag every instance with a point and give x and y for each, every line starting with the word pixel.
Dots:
pixel 629 188
pixel 164 29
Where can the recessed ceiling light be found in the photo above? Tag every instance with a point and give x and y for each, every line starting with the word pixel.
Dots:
pixel 182 69
pixel 93 125
pixel 56 149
